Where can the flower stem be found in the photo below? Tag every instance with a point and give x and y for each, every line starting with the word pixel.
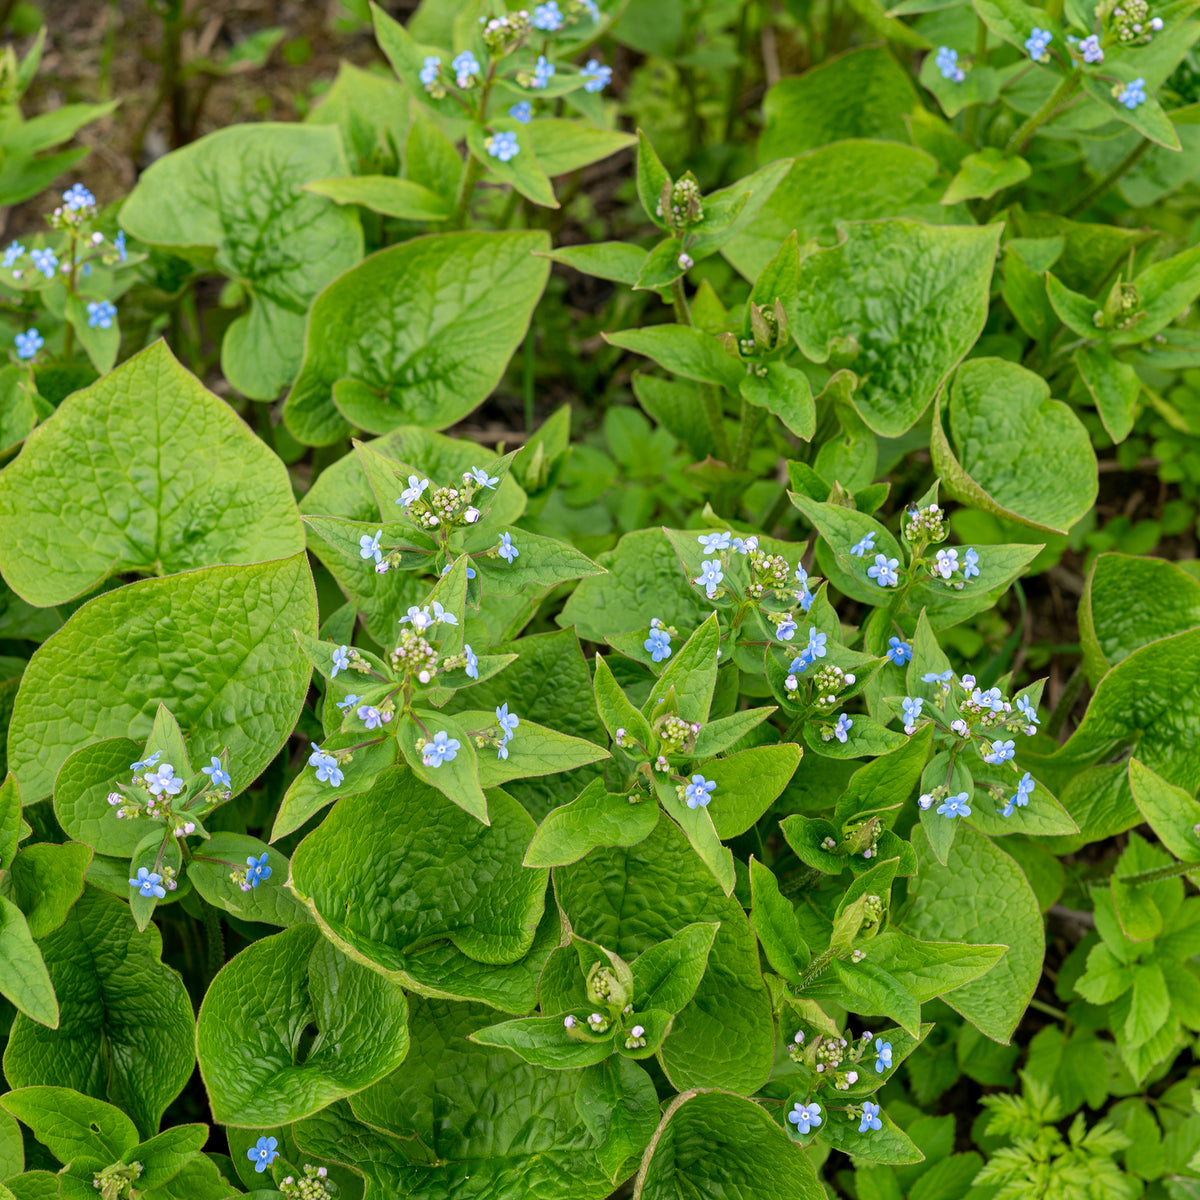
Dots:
pixel 1066 702
pixel 1102 185
pixel 1067 87
pixel 466 189
pixel 971 120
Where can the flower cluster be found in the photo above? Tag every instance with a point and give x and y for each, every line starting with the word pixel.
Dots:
pixel 256 871
pixel 314 1184
pixel 156 793
pixel 430 507
pixel 1037 43
pixel 947 64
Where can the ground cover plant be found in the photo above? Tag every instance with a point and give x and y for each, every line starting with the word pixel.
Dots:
pixel 604 603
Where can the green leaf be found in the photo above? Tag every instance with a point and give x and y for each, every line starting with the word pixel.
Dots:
pixel 100 344
pixel 523 173
pixel 666 975
pixel 887 1145
pixel 71 1125
pixel 929 969
pixel 1148 118
pixel 1114 387
pixel 534 750
pixel 148 471
pixel 400 198
pixel 563 146
pixel 24 980
pixel 652 178
pixel 774 921
pixel 203 643
pixel 45 880
pixel 10 821
pixel 630 899
pixel 684 351
pixel 716 1144
pixel 861 94
pixel 240 190
pixel 403 849
pixel 616 710
pixel 747 783
pixel 594 818
pixel 919 311
pixel 442 314
pixel 1015 453
pixel 1129 602
pixel 985 173
pixel 265 999
pixel 617 1102
pixel 1166 288
pixel 617 261
pixel 981 895
pixel 1149 1005
pixel 691 674
pixel 268 902
pixel 544 1042
pixel 544 561
pixel 1171 812
pixel 163 1157
pixel 784 391
pixel 81 791
pixel 866 987
pixel 125 1031
pixel 12 1152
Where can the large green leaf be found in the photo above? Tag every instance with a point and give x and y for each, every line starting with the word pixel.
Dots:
pixel 418 334
pixel 71 1125
pixel 861 94
pixel 980 896
pixel 914 297
pixel 125 1033
pixel 148 471
pixel 260 1065
pixel 1012 450
pixel 24 979
pixel 629 899
pixel 715 1144
pixel 215 646
pixel 241 191
pixel 399 871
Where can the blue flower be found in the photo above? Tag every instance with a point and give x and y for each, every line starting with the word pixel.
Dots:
pixel 472 667
pixel 429 69
pixel 522 111
pixel 786 628
pixel 507 721
pixel 119 243
pixel 369 546
pixel 710 575
pixel 148 883
pixel 547 18
pixel 77 197
pixel 216 773
pixel 842 728
pixel 350 701
pixel 146 762
pixel 421 618
pixel 598 76
pixel 899 652
pixel 1037 42
pixel 863 545
pixel 942 678
pixel 884 1050
pixel 341 661
pixel 543 72
pixel 45 261
pixel 991 699
pixel 480 475
pixel 970 563
pixel 328 771
pixel 1027 710
pixel 257 870
pixel 503 146
pixel 947 64
pixel 593 9
pixel 164 780
pixel 28 344
pixel 1090 49
pixel 912 709
pixel 1001 752
pixel 470 570
pixel 506 549
pixel 699 792
pixel 465 68
pixel 712 542
pixel 805 1116
pixel 955 806
pixel 816 645
pixel 946 564
pixel 442 749
pixel 745 545
pixel 263 1153
pixel 658 644
pixel 441 616
pixel 1133 94
pixel 870 1117
pixel 101 314
pixel 804 598
pixel 413 491
pixel 13 253
pixel 370 716
pixel 884 571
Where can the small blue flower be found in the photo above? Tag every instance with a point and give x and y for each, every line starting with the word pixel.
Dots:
pixel 1133 94
pixel 1036 44
pixel 1090 49
pixel 863 545
pixel 1020 798
pixel 101 314
pixel 804 598
pixel 369 546
pixel 547 18
pixel 164 780
pixel 970 563
pixel 263 1153
pixel 1001 751
pixel 991 699
pixel 503 146
pixel 45 261
pixel 786 628
pixel 1027 710
pixel 699 792
pixel 745 545
pixel 712 542
pixel 884 571
pixel 522 111
pixel 146 762
pixel 593 9
pixel 805 1116
pixel 317 755
pixel 507 721
pixel 947 64
pixel 413 491
pixel 465 68
pixel 955 806
pixel 480 476
pixel 77 197
pixel 421 618
pixel 119 243
pixel 899 652
pixel 598 76
pixel 940 677
pixel 442 616
pixel 870 1117
pixel 912 709
pixel 328 770
pixel 13 253
pixel 658 644
pixel 816 645
pixel 710 576
pixel 257 870
pixel 947 563
pixel 429 69
pixel 884 1050
pixel 472 667
pixel 842 728
pixel 216 773
pixel 370 716
pixel 341 661
pixel 543 72
pixel 28 344
pixel 148 883
pixel 442 749
pixel 470 570
pixel 506 549
pixel 349 702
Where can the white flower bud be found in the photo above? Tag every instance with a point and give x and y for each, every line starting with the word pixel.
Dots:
pixel 471 515
pixel 97 238
pixel 424 676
